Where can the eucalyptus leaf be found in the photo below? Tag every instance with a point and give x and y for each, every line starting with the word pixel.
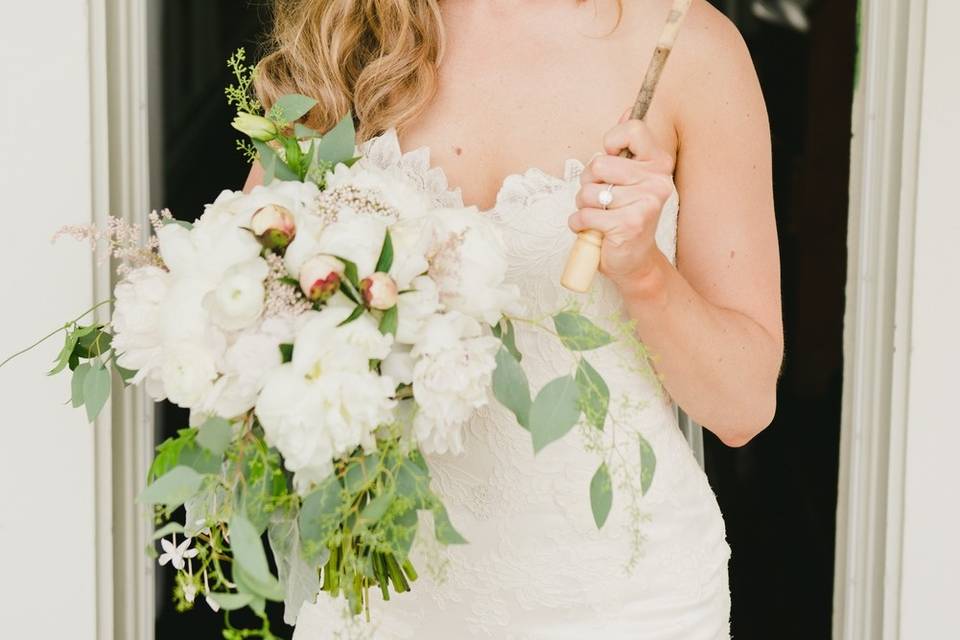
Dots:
pixel 251 560
pixel 208 506
pixel 215 435
pixel 375 509
pixel 293 106
pixel 173 488
pixel 361 473
pixel 578 333
pixel 338 144
pixel 94 343
pixel 76 384
pixel 648 464
pixel 601 495
pixel 167 529
pixel 554 412
pixel 594 394
pixel 96 389
pixel 319 517
pixel 508 336
pixel 299 578
pixel 443 528
pixel 231 601
pixel 303 131
pixel 268 160
pixel 510 386
pixel 249 585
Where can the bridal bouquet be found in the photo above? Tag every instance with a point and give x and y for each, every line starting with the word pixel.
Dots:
pixel 326 331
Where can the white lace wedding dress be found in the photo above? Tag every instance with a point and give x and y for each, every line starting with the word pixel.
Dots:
pixel 536 567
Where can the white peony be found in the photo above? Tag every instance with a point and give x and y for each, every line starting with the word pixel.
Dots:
pixel 188 371
pixel 245 366
pixel 451 375
pixel 414 307
pixel 358 239
pixel 392 186
pixel 137 330
pixel 238 300
pixel 412 241
pixel 299 198
pixel 326 401
pixel 469 265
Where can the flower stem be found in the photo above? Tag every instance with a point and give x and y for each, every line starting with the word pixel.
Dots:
pixel 56 331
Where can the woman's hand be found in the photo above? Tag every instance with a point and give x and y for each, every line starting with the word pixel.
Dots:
pixel 641 187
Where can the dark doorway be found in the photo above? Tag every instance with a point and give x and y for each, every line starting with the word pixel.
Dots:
pixel 194 147
pixel 779 493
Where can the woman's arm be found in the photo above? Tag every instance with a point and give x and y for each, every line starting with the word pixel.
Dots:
pixel 255 178
pixel 713 324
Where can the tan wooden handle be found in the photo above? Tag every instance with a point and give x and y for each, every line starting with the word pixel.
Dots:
pixel 584 257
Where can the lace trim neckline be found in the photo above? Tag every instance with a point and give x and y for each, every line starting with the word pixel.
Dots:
pixel 385 150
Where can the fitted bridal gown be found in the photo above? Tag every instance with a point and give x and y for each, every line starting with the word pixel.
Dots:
pixel 536 567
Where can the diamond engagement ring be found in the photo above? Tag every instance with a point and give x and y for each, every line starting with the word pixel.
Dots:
pixel 606 197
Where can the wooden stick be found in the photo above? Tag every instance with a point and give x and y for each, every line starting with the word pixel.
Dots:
pixel 584 258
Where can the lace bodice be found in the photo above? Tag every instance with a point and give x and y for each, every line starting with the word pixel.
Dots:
pixel 536 566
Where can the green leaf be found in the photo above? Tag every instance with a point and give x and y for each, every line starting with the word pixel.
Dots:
pixel 261 591
pixel 76 384
pixel 338 144
pixel 594 394
pixel 554 412
pixel 96 389
pixel 443 528
pixel 356 313
pixel 385 261
pixel 348 291
pixel 231 601
pixel 579 334
pixel 293 106
pixel 375 509
pixel 286 352
pixel 167 529
pixel 215 435
pixel 510 386
pixel 350 271
pixel 63 358
pixel 648 464
pixel 601 495
pixel 299 578
pixel 362 473
pixel 273 166
pixel 389 321
pixel 303 131
pixel 95 343
pixel 183 450
pixel 320 517
pixel 263 482
pixel 505 332
pixel 172 489
pixel 413 483
pixel 126 375
pixel 251 560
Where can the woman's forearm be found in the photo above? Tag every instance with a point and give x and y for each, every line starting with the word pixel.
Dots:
pixel 718 364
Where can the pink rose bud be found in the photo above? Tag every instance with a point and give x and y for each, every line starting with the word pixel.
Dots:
pixel 379 291
pixel 320 277
pixel 274 226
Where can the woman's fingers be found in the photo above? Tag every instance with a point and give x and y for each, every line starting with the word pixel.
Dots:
pixel 636 136
pixel 596 219
pixel 651 184
pixel 612 170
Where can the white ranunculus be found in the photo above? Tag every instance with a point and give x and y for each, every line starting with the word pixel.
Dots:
pixel 414 307
pixel 297 197
pixel 237 302
pixel 326 401
pixel 136 322
pixel 206 251
pixel 470 265
pixel 453 366
pixel 188 371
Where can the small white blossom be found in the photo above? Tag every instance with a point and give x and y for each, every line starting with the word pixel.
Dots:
pixel 176 554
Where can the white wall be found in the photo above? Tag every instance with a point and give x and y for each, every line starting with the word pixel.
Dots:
pixel 931 541
pixel 46 448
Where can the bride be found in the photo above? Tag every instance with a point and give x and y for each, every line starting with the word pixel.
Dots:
pixel 492 88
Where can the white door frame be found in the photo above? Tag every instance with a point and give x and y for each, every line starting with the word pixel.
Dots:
pixel 877 333
pixel 886 119
pixel 124 434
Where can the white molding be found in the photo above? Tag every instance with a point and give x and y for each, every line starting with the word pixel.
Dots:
pixel 877 325
pixel 124 434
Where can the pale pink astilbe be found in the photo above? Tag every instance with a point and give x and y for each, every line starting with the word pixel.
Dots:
pixel 123 241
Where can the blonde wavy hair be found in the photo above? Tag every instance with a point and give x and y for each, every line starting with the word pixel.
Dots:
pixel 378 58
